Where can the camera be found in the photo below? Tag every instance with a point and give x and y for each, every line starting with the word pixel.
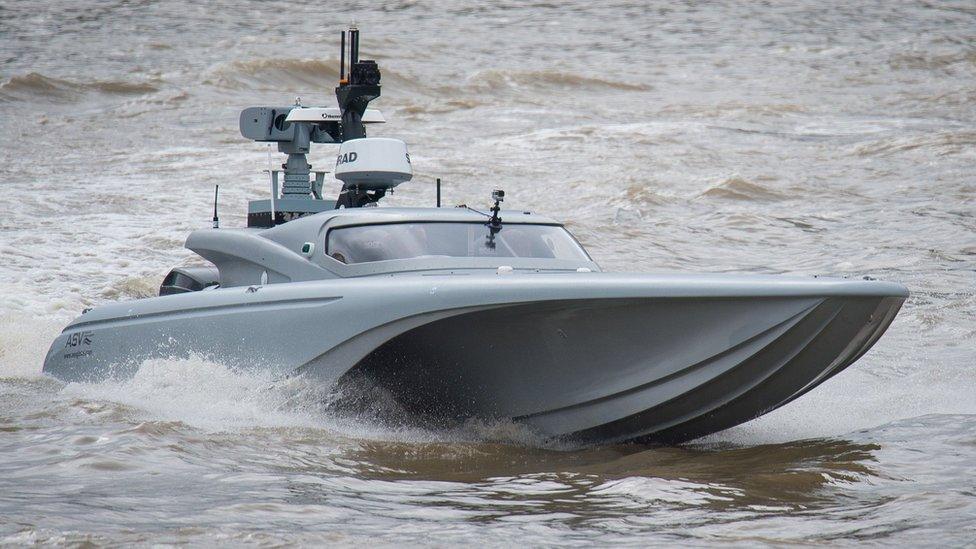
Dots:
pixel 498 195
pixel 364 72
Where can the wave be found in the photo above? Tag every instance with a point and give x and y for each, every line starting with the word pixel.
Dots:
pixel 284 74
pixel 24 339
pixel 439 107
pixel 496 79
pixel 272 73
pixel 642 195
pixel 32 86
pixel 941 143
pixel 132 287
pixel 640 133
pixel 737 188
pixel 931 61
pixel 290 74
pixel 731 108
pixel 209 396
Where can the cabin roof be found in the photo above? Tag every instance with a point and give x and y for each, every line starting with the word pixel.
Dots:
pixel 358 216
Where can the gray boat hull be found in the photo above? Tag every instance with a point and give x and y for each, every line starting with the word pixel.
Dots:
pixel 587 357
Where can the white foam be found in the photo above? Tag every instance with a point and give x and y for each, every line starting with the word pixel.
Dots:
pixel 213 397
pixel 857 399
pixel 24 341
pixel 210 396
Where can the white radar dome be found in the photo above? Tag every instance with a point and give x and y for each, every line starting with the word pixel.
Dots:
pixel 373 163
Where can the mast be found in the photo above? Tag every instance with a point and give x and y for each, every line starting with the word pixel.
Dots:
pixel 362 86
pixel 354 95
pixel 382 164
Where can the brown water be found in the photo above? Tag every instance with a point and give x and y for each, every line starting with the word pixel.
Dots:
pixel 826 138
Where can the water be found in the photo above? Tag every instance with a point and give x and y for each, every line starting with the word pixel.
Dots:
pixel 784 138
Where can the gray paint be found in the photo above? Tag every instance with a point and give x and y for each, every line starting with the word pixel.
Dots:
pixel 588 356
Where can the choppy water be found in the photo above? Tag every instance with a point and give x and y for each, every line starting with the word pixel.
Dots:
pixel 803 138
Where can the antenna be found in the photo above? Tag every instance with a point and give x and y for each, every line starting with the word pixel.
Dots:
pixel 342 58
pixel 354 46
pixel 216 220
pixel 274 186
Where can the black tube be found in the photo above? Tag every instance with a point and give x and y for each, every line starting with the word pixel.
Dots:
pixel 342 58
pixel 354 48
pixel 216 220
pixel 438 192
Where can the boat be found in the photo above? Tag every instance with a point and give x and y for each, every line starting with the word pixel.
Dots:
pixel 465 314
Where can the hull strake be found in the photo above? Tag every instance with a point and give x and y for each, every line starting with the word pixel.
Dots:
pixel 613 370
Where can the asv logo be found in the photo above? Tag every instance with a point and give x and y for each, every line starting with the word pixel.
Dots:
pixel 346 157
pixel 80 338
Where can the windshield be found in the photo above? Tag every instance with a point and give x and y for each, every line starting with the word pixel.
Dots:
pixel 365 243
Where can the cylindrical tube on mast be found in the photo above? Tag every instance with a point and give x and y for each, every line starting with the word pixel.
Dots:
pixel 342 58
pixel 353 47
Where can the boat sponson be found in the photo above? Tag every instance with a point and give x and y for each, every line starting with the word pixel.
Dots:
pixel 615 370
pixel 828 340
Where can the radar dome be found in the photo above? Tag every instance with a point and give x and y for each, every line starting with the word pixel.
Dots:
pixel 373 163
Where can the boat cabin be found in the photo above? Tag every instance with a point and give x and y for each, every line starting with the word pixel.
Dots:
pixel 358 242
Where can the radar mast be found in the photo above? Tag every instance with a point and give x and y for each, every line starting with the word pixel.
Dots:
pixel 367 167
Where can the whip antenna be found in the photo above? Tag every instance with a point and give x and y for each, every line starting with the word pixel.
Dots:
pixel 342 58
pixel 274 186
pixel 216 220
